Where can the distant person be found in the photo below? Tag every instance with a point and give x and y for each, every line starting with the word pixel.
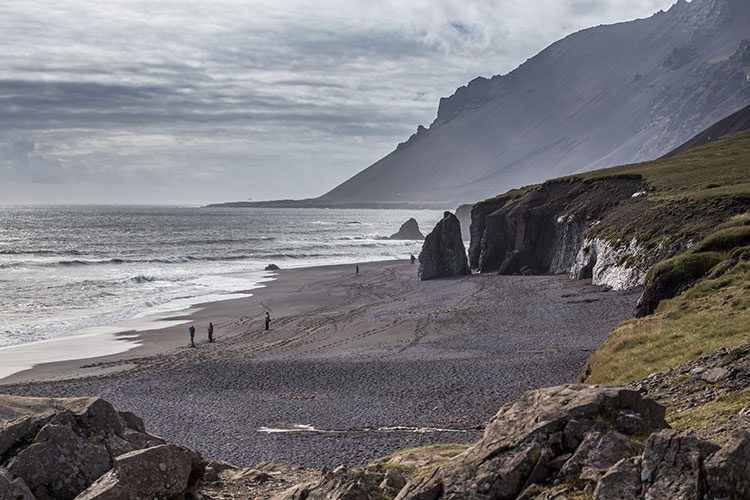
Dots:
pixel 192 335
pixel 413 259
pixel 210 333
pixel 268 321
pixel 356 269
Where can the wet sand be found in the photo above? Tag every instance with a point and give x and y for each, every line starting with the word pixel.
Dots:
pixel 353 367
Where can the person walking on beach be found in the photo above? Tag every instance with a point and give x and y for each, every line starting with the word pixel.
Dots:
pixel 210 333
pixel 356 269
pixel 413 259
pixel 268 321
pixel 192 335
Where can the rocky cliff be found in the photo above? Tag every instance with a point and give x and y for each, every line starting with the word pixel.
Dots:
pixel 613 225
pixel 604 96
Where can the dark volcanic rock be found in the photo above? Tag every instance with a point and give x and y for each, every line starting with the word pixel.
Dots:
pixel 541 228
pixel 443 253
pixel 409 230
pixel 272 267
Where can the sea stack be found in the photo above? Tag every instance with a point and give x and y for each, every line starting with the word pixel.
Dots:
pixel 443 253
pixel 409 230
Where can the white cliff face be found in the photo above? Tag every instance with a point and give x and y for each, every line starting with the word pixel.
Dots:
pixel 618 266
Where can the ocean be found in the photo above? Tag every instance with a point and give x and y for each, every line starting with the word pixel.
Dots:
pixel 67 268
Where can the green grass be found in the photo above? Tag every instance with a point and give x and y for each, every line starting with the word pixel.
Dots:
pixel 685 268
pixel 710 315
pixel 417 462
pixel 724 240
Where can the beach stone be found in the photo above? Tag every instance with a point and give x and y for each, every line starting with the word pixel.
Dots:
pixel 13 488
pixel 728 470
pixel 597 453
pixel 499 464
pixel 272 267
pixel 622 481
pixel 162 471
pixel 671 466
pixel 714 375
pixel 409 230
pixel 443 253
pixel 60 461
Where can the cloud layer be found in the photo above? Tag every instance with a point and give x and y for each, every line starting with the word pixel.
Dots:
pixel 193 102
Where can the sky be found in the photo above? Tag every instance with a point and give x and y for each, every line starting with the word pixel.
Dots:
pixel 193 102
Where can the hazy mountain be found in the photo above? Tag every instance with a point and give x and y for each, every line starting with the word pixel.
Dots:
pixel 604 96
pixel 736 122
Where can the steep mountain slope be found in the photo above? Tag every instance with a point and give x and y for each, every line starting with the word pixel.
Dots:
pixel 603 96
pixel 736 122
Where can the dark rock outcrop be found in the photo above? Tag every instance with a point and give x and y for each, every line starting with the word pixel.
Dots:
pixel 409 230
pixel 57 448
pixel 443 253
pixel 272 267
pixel 541 227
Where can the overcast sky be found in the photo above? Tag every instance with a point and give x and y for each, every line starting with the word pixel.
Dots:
pixel 193 102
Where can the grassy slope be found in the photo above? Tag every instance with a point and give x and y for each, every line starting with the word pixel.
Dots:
pixel 687 195
pixel 712 314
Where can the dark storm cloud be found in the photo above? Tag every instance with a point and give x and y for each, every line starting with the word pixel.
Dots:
pixel 162 94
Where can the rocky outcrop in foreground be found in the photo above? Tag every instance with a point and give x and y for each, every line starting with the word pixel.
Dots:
pixel 559 442
pixel 443 253
pixel 84 448
pixel 409 230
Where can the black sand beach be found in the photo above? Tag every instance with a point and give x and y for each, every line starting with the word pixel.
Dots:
pixel 374 363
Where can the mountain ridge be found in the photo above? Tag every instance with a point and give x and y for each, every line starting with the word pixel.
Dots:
pixel 560 125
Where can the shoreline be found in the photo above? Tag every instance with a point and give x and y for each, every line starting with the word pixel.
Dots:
pixel 354 366
pixel 142 337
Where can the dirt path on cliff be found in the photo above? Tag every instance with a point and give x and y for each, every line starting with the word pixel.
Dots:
pixel 355 367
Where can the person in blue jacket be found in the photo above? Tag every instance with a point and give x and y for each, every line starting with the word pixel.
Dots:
pixel 192 335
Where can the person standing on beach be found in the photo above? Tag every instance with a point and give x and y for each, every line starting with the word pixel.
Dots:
pixel 210 333
pixel 192 335
pixel 356 269
pixel 268 321
pixel 413 259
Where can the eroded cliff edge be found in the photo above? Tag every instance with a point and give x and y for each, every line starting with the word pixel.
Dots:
pixel 612 225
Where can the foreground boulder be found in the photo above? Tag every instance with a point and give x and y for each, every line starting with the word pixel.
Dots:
pixel 443 253
pixel 163 471
pixel 58 447
pixel 531 440
pixel 409 230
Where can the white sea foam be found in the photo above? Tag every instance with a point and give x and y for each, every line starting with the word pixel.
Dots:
pixel 66 269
